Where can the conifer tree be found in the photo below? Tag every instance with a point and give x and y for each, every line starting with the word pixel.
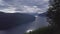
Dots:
pixel 54 15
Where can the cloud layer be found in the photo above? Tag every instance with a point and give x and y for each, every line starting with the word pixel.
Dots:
pixel 23 6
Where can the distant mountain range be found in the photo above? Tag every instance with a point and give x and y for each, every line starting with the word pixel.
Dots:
pixel 43 14
pixel 8 20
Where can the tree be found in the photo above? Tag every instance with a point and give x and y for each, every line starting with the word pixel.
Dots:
pixel 54 15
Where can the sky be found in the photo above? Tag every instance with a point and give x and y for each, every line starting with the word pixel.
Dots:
pixel 23 6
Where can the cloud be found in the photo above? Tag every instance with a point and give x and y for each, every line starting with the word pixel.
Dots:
pixel 24 6
pixel 24 9
pixel 9 10
pixel 1 2
pixel 46 0
pixel 29 9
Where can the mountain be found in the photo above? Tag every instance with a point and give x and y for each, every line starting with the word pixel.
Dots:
pixel 43 14
pixel 9 20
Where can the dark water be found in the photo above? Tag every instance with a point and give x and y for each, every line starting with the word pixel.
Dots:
pixel 39 22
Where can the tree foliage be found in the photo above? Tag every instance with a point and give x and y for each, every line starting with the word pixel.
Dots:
pixel 54 15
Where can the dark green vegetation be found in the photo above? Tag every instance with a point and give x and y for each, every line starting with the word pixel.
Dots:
pixel 43 30
pixel 54 16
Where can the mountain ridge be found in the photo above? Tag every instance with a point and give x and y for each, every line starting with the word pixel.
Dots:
pixel 8 20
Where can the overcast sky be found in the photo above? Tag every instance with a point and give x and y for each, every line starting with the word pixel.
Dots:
pixel 23 6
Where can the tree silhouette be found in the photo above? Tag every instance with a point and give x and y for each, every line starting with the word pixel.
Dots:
pixel 54 15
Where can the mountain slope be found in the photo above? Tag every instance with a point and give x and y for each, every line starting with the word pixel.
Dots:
pixel 8 20
pixel 43 14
